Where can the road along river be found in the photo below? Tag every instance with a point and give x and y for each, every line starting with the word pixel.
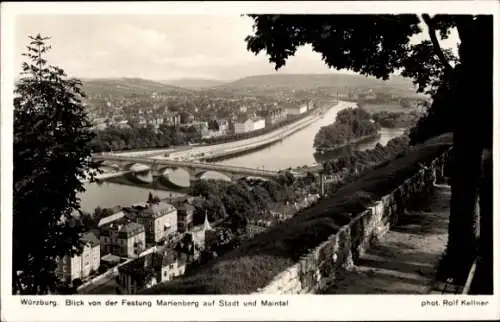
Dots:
pixel 292 151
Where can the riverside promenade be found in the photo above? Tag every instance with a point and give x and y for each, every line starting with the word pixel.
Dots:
pixel 406 258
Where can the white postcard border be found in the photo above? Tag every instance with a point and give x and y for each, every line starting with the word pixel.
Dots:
pixel 300 307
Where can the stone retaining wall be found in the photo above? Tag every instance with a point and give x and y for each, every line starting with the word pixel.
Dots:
pixel 317 270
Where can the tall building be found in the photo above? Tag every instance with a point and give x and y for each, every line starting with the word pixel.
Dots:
pixel 172 119
pixel 296 109
pixel 243 127
pixel 258 123
pixel 159 220
pixel 81 266
pixel 249 125
pixel 124 239
pixel 185 212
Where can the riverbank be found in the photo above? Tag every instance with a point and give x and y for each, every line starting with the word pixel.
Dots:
pixel 203 152
pixel 108 194
pixel 351 126
pixel 359 140
pixel 283 154
pixel 274 129
pixel 263 144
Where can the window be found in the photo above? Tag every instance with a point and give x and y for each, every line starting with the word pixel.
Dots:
pixel 171 266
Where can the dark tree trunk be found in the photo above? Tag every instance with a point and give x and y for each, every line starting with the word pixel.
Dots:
pixel 483 281
pixel 485 269
pixel 472 133
pixel 463 228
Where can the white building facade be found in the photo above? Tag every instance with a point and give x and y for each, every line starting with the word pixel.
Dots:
pixel 258 124
pixel 296 110
pixel 81 266
pixel 243 127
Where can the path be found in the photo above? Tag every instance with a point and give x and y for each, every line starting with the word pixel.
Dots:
pixel 404 261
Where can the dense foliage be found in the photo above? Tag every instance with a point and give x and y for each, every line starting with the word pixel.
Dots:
pixel 396 119
pixel 117 139
pixel 245 199
pixel 139 137
pixel 350 124
pixel 51 158
pixel 367 158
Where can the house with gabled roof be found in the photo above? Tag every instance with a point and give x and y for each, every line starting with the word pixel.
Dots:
pixel 123 238
pixel 162 265
pixel 159 220
pixel 111 218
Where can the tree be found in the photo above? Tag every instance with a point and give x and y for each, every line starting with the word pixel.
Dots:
pixel 185 116
pixel 51 156
pixel 153 199
pixel 379 45
pixel 213 125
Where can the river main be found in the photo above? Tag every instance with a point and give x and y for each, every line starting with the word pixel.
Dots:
pixel 293 151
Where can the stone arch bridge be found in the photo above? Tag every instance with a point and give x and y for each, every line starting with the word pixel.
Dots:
pixel 195 169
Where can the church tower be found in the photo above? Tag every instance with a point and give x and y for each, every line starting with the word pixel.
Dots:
pixel 206 224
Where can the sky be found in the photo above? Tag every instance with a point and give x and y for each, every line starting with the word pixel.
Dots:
pixel 158 47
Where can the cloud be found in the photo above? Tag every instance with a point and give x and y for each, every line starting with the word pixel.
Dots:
pixel 99 53
pixel 158 46
pixel 201 61
pixel 138 41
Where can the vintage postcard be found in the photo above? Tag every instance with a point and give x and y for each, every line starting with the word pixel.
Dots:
pixel 196 161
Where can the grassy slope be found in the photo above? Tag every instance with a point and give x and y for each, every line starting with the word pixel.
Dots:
pixel 247 85
pixel 194 83
pixel 127 86
pixel 395 84
pixel 257 261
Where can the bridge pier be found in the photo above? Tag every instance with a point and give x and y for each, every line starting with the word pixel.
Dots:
pixel 137 162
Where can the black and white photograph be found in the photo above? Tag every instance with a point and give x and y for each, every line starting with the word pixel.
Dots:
pixel 261 153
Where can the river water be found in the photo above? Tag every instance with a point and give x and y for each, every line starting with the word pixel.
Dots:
pixel 293 151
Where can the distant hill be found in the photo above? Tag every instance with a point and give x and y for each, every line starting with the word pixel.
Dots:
pixel 128 86
pixel 310 81
pixel 194 83
pixel 259 84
